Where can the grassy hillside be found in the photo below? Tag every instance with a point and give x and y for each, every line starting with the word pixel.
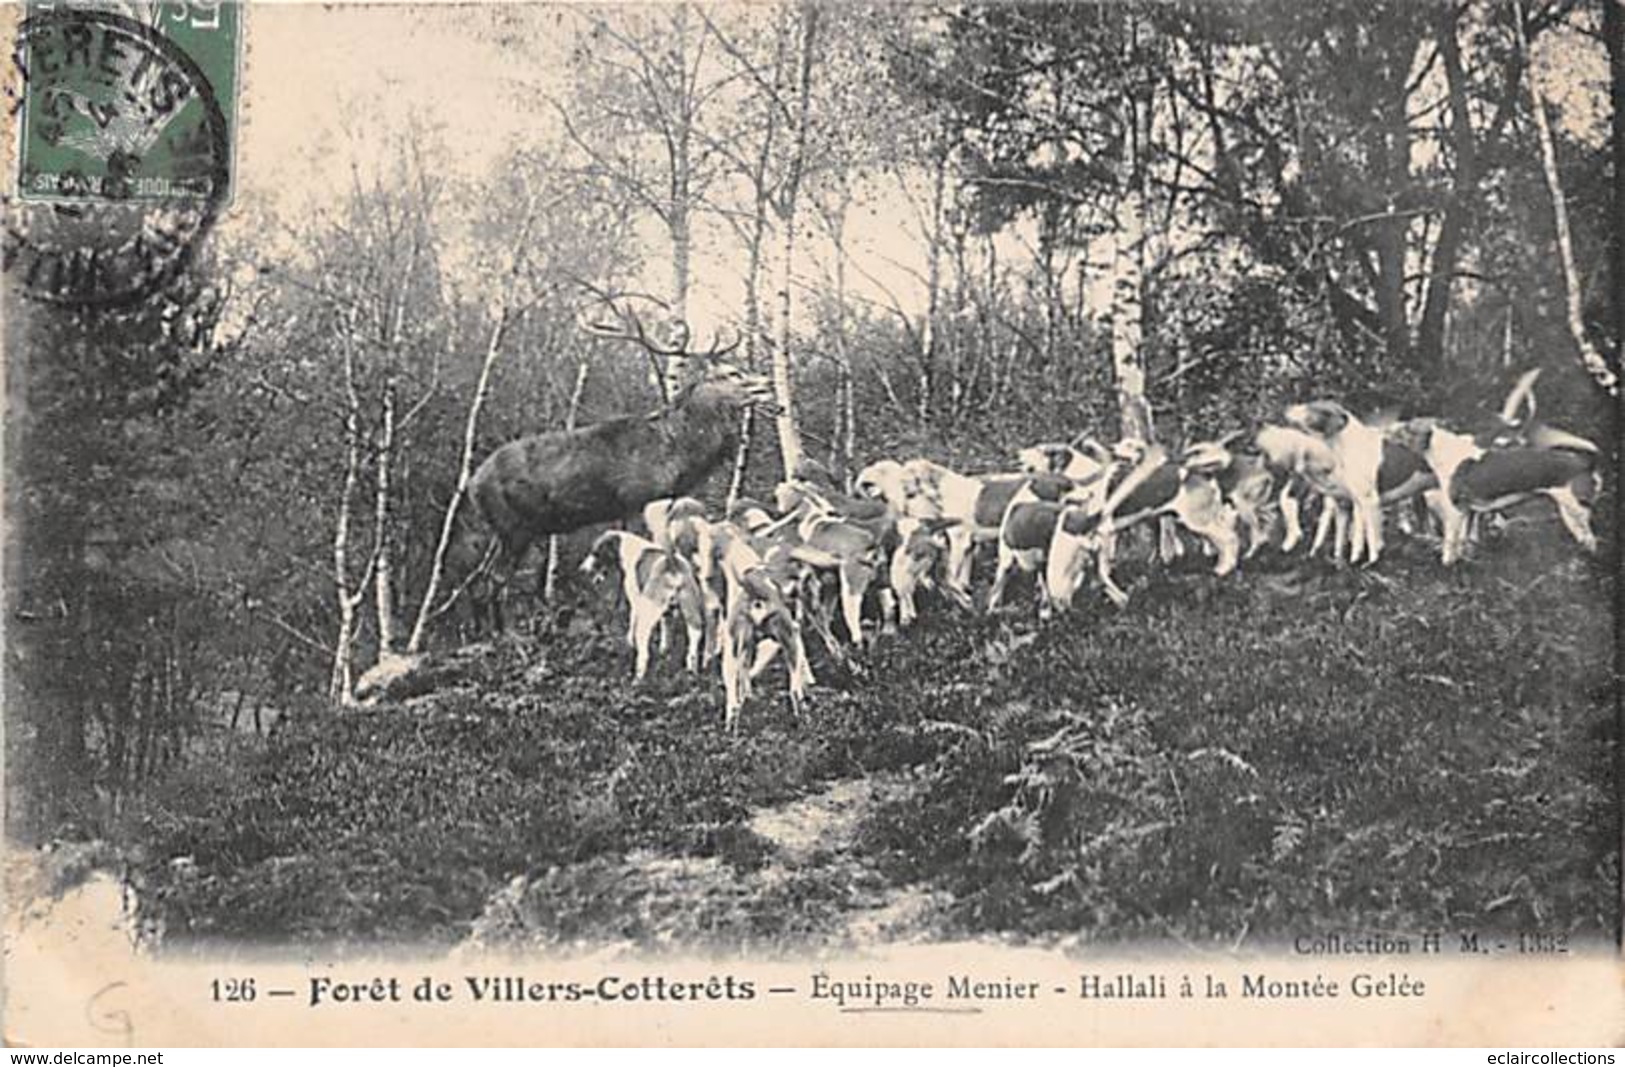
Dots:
pixel 1297 748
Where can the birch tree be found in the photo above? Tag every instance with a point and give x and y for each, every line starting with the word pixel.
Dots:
pixel 751 153
pixel 646 98
pixel 1128 251
pixel 788 205
pixel 506 311
pixel 543 234
pixel 371 272
pixel 780 86
pixel 933 226
pixel 384 262
pixel 1592 359
pixel 348 594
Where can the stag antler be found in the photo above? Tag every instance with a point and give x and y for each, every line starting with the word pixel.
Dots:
pixel 627 326
pixel 718 350
pixel 630 328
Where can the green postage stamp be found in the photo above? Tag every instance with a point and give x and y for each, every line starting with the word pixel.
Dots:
pixel 128 101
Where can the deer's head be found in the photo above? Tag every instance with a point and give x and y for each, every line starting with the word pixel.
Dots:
pixel 708 372
pixel 733 384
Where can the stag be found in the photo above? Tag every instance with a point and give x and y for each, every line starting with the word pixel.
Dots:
pixel 553 483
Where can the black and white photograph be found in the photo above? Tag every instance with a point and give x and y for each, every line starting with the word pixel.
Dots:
pixel 785 522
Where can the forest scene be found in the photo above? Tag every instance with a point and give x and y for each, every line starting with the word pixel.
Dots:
pixel 295 651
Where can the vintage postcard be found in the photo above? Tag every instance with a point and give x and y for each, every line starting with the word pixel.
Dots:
pixel 812 523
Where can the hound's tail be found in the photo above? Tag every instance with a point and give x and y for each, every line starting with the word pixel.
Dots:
pixel 1155 457
pixel 1522 397
pixel 1543 436
pixel 1209 457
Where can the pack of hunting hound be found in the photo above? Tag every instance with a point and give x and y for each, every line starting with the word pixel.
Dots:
pixel 747 584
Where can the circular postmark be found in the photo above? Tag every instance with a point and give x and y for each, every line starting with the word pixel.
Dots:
pixel 124 161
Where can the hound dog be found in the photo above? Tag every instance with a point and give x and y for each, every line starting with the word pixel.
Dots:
pixel 1303 462
pixel 1357 452
pixel 922 489
pixel 679 525
pixel 1473 479
pixel 1298 462
pixel 653 580
pixel 757 623
pixel 847 537
pixel 751 514
pixel 913 545
pixel 920 544
pixel 1153 487
pixel 1027 529
pixel 1080 462
pixel 1403 478
pixel 1246 481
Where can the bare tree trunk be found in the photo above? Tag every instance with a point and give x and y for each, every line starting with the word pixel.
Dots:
pixel 933 285
pixel 1430 336
pixel 1389 138
pixel 427 609
pixel 681 239
pixel 1593 360
pixel 756 244
pixel 1128 283
pixel 341 686
pixel 753 325
pixel 551 574
pixel 384 581
pixel 846 441
pixel 783 387
pixel 849 423
pixel 736 478
pixel 1128 357
pixel 987 298
pixel 1044 265
pixel 681 217
pixel 789 437
pixel 837 432
pixel 384 552
pixel 959 361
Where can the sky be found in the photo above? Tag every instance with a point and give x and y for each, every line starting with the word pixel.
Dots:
pixel 326 85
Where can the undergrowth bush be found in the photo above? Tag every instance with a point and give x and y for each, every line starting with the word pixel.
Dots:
pixel 1302 750
pixel 1297 748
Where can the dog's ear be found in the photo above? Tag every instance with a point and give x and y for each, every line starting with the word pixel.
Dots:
pixel 1415 434
pixel 1321 417
pixel 1080 521
pixel 1327 418
pixel 759 586
pixel 1095 450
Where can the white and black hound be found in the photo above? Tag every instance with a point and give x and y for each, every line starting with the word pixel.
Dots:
pixel 653 579
pixel 1473 479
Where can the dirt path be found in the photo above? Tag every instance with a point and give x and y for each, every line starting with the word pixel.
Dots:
pixel 822 829
pixel 813 890
pixel 826 821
